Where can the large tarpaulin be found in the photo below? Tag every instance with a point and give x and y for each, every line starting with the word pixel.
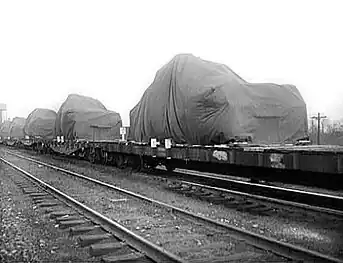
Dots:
pixel 5 129
pixel 40 123
pixel 78 113
pixel 17 128
pixel 195 101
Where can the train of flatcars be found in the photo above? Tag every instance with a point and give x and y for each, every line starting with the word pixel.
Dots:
pixel 311 164
pixel 307 164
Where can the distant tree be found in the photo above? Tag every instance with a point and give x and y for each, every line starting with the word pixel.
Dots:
pixel 331 132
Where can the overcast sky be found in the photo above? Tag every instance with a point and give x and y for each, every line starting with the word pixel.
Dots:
pixel 111 50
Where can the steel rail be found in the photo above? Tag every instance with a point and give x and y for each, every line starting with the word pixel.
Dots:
pixel 340 198
pixel 147 248
pixel 307 198
pixel 268 199
pixel 266 243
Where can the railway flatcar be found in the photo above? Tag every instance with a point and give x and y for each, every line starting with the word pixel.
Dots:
pixel 73 125
pixel 306 164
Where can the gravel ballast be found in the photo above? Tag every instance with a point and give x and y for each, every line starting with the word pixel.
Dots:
pixel 26 233
pixel 311 230
pixel 175 234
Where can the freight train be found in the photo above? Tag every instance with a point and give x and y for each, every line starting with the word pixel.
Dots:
pixel 196 115
pixel 309 164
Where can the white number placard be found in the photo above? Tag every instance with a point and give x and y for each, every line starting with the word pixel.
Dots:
pixel 153 143
pixel 167 143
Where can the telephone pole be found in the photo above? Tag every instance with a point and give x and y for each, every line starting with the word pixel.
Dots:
pixel 318 118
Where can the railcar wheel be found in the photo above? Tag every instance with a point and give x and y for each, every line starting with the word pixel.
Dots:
pixel 104 159
pixel 137 163
pixel 111 159
pixel 121 161
pixel 91 156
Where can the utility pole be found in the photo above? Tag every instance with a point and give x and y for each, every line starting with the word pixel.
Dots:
pixel 318 118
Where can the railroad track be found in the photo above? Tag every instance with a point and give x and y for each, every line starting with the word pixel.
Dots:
pixel 308 200
pixel 101 234
pixel 197 183
pixel 209 228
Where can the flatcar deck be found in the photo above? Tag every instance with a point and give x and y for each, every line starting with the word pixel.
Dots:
pixel 319 164
pixel 303 148
pixel 310 158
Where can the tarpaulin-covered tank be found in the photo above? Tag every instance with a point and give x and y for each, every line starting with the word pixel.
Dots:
pixel 195 101
pixel 78 113
pixel 17 128
pixel 5 129
pixel 40 123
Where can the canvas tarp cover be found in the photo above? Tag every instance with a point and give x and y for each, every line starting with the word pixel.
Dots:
pixel 5 129
pixel 195 101
pixel 78 113
pixel 40 123
pixel 17 128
